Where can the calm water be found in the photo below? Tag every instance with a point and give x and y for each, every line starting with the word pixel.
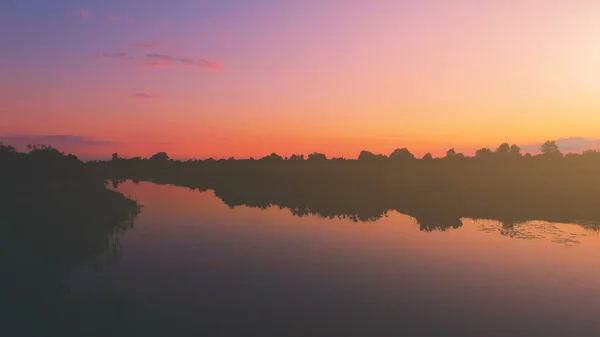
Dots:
pixel 192 266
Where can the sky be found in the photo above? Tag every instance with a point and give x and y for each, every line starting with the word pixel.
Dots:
pixel 222 78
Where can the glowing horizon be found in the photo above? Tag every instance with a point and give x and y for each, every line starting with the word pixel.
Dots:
pixel 246 79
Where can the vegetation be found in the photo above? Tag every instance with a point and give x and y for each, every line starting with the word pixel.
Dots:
pixel 55 215
pixel 501 184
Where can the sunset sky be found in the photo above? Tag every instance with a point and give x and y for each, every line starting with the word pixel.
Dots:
pixel 246 78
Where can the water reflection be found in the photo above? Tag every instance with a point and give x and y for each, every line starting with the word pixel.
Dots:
pixel 537 230
pixel 201 267
pixel 434 210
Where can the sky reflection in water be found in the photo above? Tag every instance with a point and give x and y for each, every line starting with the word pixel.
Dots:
pixel 192 264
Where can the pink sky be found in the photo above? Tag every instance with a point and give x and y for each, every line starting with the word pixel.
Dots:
pixel 337 77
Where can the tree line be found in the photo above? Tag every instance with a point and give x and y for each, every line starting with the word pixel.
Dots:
pixel 505 151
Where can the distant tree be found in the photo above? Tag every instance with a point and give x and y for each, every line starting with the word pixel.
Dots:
pixel 317 157
pixel 503 149
pixel 515 150
pixel 483 153
pixel 402 155
pixel 296 157
pixel 115 156
pixel 6 148
pixel 427 157
pixel 551 148
pixel 232 158
pixel 591 156
pixel 450 153
pixel 591 153
pixel 46 151
pixel 367 156
pixel 272 157
pixel 160 156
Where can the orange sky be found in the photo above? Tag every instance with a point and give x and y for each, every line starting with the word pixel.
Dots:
pixel 241 79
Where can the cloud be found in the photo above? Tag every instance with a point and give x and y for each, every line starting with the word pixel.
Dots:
pixel 132 21
pixel 113 18
pixel 202 63
pixel 159 60
pixel 58 141
pixel 119 56
pixel 145 45
pixel 566 145
pixel 145 95
pixel 155 60
pixel 84 13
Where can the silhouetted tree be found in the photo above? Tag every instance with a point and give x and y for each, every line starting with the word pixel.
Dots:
pixel 551 148
pixel 115 156
pixel 317 157
pixel 297 157
pixel 451 153
pixel 483 153
pixel 515 150
pixel 427 157
pixel 6 148
pixel 272 157
pixel 503 149
pixel 402 155
pixel 591 154
pixel 160 156
pixel 366 156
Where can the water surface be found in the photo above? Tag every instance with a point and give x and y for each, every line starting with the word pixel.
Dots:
pixel 194 266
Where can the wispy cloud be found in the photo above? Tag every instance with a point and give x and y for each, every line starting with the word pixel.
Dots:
pixel 201 63
pixel 113 18
pixel 84 13
pixel 145 95
pixel 159 60
pixel 119 56
pixel 145 45
pixel 566 145
pixel 155 60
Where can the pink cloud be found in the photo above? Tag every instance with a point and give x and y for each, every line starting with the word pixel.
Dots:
pixel 155 60
pixel 132 21
pixel 145 45
pixel 160 61
pixel 202 63
pixel 113 18
pixel 146 95
pixel 84 13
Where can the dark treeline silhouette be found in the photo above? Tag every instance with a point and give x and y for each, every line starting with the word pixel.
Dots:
pixel 55 215
pixel 501 184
